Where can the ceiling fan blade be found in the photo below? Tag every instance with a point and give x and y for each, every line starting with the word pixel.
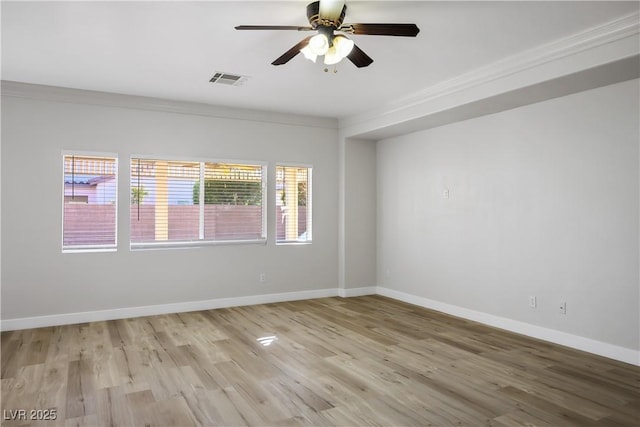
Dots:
pixel 331 10
pixel 288 55
pixel 272 27
pixel 401 30
pixel 359 58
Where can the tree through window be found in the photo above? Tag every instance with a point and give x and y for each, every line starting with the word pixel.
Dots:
pixel 189 202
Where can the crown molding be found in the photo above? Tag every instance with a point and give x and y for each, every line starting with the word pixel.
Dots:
pixel 622 29
pixel 106 99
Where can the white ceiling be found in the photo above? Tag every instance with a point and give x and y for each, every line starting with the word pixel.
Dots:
pixel 171 49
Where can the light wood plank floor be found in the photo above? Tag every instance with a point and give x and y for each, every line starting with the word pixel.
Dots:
pixel 366 361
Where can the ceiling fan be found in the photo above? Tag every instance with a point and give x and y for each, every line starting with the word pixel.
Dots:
pixel 326 17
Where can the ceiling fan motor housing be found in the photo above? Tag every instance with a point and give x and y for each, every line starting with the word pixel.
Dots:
pixel 313 15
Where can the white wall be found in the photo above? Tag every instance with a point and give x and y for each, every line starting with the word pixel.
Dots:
pixel 544 201
pixel 39 280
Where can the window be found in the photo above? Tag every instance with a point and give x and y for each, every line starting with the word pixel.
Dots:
pixel 187 203
pixel 293 204
pixel 89 202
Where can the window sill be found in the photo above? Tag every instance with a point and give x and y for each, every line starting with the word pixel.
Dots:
pixel 294 243
pixel 134 247
pixel 88 250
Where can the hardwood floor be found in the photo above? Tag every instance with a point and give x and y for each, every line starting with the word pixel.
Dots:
pixel 326 362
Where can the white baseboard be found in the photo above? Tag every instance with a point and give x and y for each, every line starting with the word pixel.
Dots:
pixel 357 292
pixel 600 348
pixel 574 341
pixel 152 310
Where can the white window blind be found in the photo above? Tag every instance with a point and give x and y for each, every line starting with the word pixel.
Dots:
pixel 89 202
pixel 293 204
pixel 177 203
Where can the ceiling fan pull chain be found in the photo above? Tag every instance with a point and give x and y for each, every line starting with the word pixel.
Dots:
pixel 335 69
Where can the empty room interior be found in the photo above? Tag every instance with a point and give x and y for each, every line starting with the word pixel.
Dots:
pixel 284 213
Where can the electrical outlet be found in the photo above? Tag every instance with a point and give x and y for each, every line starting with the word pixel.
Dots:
pixel 562 308
pixel 263 277
pixel 533 303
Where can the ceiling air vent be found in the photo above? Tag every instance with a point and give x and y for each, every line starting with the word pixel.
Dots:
pixel 228 79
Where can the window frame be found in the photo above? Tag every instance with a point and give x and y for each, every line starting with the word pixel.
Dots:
pixel 202 242
pixel 309 204
pixel 90 248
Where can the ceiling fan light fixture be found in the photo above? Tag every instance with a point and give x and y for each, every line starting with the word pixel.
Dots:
pixel 339 50
pixel 306 51
pixel 332 56
pixel 343 45
pixel 319 44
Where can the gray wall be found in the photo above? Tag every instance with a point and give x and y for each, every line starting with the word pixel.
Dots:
pixel 38 279
pixel 360 213
pixel 543 201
